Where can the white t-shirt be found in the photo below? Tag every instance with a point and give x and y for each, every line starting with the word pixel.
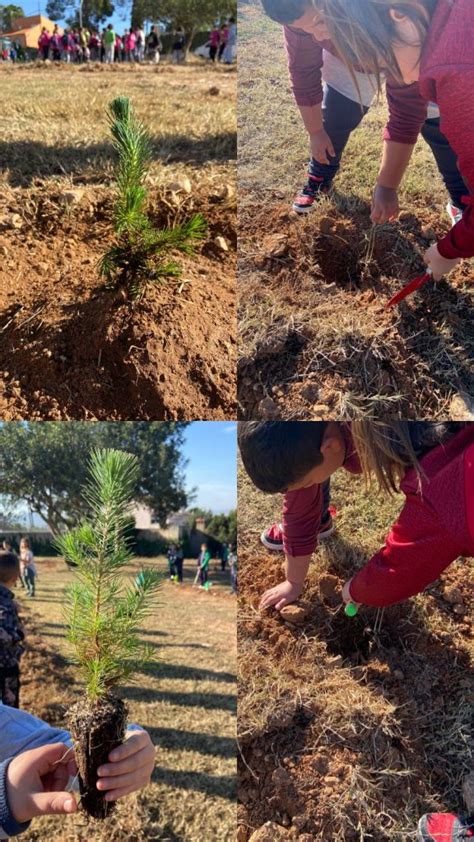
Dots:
pixel 337 76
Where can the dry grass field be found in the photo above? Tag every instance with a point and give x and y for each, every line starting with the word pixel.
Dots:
pixel 315 338
pixel 70 347
pixel 185 699
pixel 346 734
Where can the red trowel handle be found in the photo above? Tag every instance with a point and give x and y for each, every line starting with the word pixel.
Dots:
pixel 409 288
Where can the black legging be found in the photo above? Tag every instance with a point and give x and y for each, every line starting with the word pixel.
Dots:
pixel 342 115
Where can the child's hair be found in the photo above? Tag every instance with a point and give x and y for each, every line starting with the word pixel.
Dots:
pixel 9 566
pixel 286 11
pixel 387 449
pixel 363 31
pixel 276 454
pixel 25 542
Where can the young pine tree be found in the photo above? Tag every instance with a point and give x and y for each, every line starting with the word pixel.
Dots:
pixel 104 613
pixel 141 252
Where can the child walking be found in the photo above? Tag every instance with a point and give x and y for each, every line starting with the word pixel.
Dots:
pixel 11 632
pixel 27 566
pixel 424 49
pixel 431 464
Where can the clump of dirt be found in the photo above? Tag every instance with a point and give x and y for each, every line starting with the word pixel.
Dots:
pixel 71 348
pixel 327 278
pixel 97 729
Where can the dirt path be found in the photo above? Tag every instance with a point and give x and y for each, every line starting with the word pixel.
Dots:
pixel 186 700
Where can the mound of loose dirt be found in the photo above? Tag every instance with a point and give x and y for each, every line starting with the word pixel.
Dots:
pixel 315 335
pixel 71 348
pixel 347 732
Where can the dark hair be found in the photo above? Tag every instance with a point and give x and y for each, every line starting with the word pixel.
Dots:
pixel 9 566
pixel 286 11
pixel 277 454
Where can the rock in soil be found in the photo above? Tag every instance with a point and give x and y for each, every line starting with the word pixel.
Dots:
pixel 269 832
pixel 330 587
pixel 267 408
pixel 453 596
pixel 462 408
pixel 295 614
pixel 183 186
pixel 97 728
pixel 221 243
pixel 276 245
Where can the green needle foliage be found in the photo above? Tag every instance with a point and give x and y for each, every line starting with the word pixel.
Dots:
pixel 103 611
pixel 141 252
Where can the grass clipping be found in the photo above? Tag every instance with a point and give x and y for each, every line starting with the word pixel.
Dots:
pixel 103 614
pixel 141 253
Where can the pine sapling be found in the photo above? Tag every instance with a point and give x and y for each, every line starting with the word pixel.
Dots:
pixel 104 612
pixel 141 253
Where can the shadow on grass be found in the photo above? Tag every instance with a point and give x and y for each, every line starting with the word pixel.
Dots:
pixel 223 786
pixel 175 739
pixel 26 160
pixel 207 701
pixel 184 673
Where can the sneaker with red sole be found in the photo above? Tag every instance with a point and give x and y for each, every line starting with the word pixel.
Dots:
pixel 272 538
pixel 312 191
pixel 445 827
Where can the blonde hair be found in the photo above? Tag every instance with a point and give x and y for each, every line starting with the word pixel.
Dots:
pixel 363 31
pixel 385 452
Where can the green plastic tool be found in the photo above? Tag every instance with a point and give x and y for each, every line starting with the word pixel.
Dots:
pixel 351 609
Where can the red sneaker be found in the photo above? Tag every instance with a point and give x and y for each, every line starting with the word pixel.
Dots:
pixel 311 192
pixel 445 827
pixel 272 538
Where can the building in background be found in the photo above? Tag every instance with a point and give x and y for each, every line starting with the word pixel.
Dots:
pixel 27 30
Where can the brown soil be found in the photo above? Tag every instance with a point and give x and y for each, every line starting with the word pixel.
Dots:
pixel 315 335
pixel 343 733
pixel 97 728
pixel 72 349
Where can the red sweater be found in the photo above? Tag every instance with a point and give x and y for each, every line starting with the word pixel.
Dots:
pixel 435 526
pixel 446 77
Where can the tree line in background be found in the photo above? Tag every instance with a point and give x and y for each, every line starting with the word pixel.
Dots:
pixel 192 15
pixel 223 528
pixel 45 466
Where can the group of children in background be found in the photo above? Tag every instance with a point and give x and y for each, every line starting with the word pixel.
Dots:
pixel 227 557
pixel 13 569
pixel 81 45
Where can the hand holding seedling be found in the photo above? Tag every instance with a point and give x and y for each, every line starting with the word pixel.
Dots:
pixel 438 264
pixel 281 595
pixel 129 768
pixel 37 780
pixel 346 595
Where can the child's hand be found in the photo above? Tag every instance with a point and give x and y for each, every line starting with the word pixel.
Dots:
pixel 280 595
pixel 346 593
pixel 438 264
pixel 322 147
pixel 385 206
pixel 36 782
pixel 130 766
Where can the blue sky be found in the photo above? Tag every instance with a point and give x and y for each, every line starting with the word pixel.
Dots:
pixel 211 447
pixel 120 20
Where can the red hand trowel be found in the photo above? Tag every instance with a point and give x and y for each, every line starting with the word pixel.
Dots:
pixel 409 288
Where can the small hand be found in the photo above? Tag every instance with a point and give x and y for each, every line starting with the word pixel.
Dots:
pixel 438 264
pixel 129 768
pixel 321 146
pixel 37 780
pixel 280 595
pixel 346 593
pixel 385 205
